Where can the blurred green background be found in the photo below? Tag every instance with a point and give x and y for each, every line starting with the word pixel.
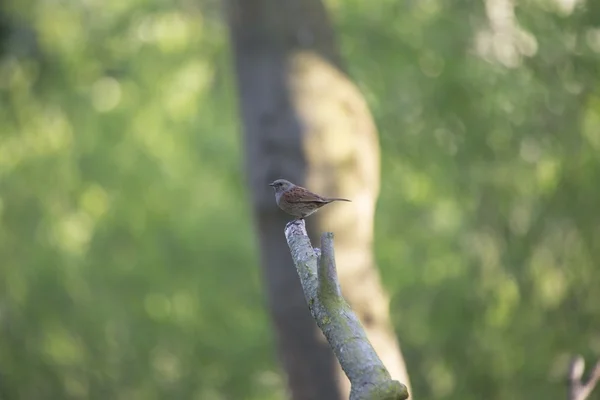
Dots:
pixel 128 267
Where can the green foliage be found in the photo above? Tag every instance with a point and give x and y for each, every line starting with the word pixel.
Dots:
pixel 128 266
pixel 488 226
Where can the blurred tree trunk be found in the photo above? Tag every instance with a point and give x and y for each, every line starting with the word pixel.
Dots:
pixel 305 121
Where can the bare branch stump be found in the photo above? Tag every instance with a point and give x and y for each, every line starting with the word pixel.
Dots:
pixel 316 268
pixel 578 388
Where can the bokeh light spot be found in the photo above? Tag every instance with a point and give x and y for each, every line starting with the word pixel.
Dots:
pixel 106 94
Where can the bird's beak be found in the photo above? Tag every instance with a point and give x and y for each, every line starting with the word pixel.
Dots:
pixel 271 184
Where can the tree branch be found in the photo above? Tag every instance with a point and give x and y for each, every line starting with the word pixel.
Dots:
pixel 578 389
pixel 368 377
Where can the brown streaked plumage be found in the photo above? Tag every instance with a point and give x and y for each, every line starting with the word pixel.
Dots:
pixel 298 201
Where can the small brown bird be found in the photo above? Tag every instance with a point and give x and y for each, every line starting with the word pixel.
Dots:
pixel 298 201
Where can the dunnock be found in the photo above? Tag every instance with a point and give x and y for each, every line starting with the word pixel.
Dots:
pixel 298 201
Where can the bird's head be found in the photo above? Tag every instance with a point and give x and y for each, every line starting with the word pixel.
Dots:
pixel 281 185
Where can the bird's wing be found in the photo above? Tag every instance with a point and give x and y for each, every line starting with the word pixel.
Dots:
pixel 301 195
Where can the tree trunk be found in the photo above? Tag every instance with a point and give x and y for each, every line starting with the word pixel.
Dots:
pixel 306 122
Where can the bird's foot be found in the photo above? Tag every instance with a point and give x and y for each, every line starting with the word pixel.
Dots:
pixel 294 221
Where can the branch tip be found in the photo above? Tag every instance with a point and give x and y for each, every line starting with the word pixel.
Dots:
pixel 579 389
pixel 576 368
pixel 295 227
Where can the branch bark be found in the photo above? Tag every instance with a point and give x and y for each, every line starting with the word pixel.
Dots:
pixel 369 378
pixel 578 389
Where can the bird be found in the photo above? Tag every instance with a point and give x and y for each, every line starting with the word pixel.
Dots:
pixel 298 201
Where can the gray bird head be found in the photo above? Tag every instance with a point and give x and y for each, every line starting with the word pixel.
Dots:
pixel 281 185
